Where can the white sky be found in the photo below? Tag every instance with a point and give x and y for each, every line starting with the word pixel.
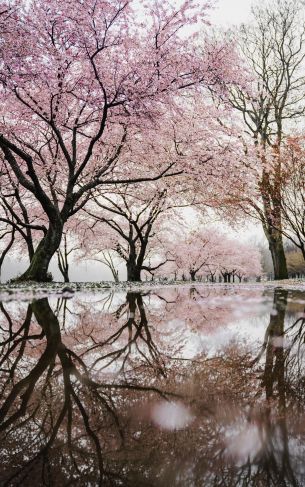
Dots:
pixel 231 12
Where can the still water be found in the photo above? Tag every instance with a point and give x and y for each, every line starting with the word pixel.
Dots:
pixel 172 387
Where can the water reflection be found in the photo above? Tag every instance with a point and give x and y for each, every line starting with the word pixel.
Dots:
pixel 262 446
pixel 173 388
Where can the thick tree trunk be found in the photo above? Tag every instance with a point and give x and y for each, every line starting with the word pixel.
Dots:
pixel 193 276
pixel 278 257
pixel 272 223
pixel 133 274
pixel 134 263
pixel 38 268
pixel 133 270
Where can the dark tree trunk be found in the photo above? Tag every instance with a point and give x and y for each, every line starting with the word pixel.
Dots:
pixel 133 273
pixel 38 268
pixel 193 275
pixel 135 261
pixel 66 276
pixel 272 210
pixel 133 269
pixel 278 257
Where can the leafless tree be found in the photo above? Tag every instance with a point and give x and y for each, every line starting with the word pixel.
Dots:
pixel 273 46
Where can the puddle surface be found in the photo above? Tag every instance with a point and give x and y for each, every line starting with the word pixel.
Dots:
pixel 172 387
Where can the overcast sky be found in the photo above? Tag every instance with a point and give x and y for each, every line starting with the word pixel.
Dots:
pixel 230 12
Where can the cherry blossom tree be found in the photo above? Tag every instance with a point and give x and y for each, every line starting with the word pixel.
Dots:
pixel 133 220
pixel 199 251
pixel 210 253
pixel 136 216
pixel 189 252
pixel 242 261
pixel 84 81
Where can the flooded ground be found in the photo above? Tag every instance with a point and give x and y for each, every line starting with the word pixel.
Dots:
pixel 172 387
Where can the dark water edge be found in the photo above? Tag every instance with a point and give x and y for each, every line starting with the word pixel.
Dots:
pixel 185 386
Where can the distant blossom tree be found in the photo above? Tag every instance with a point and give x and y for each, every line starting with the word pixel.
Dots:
pixel 210 253
pixel 127 223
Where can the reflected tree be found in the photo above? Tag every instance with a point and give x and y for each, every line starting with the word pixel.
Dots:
pixel 54 407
